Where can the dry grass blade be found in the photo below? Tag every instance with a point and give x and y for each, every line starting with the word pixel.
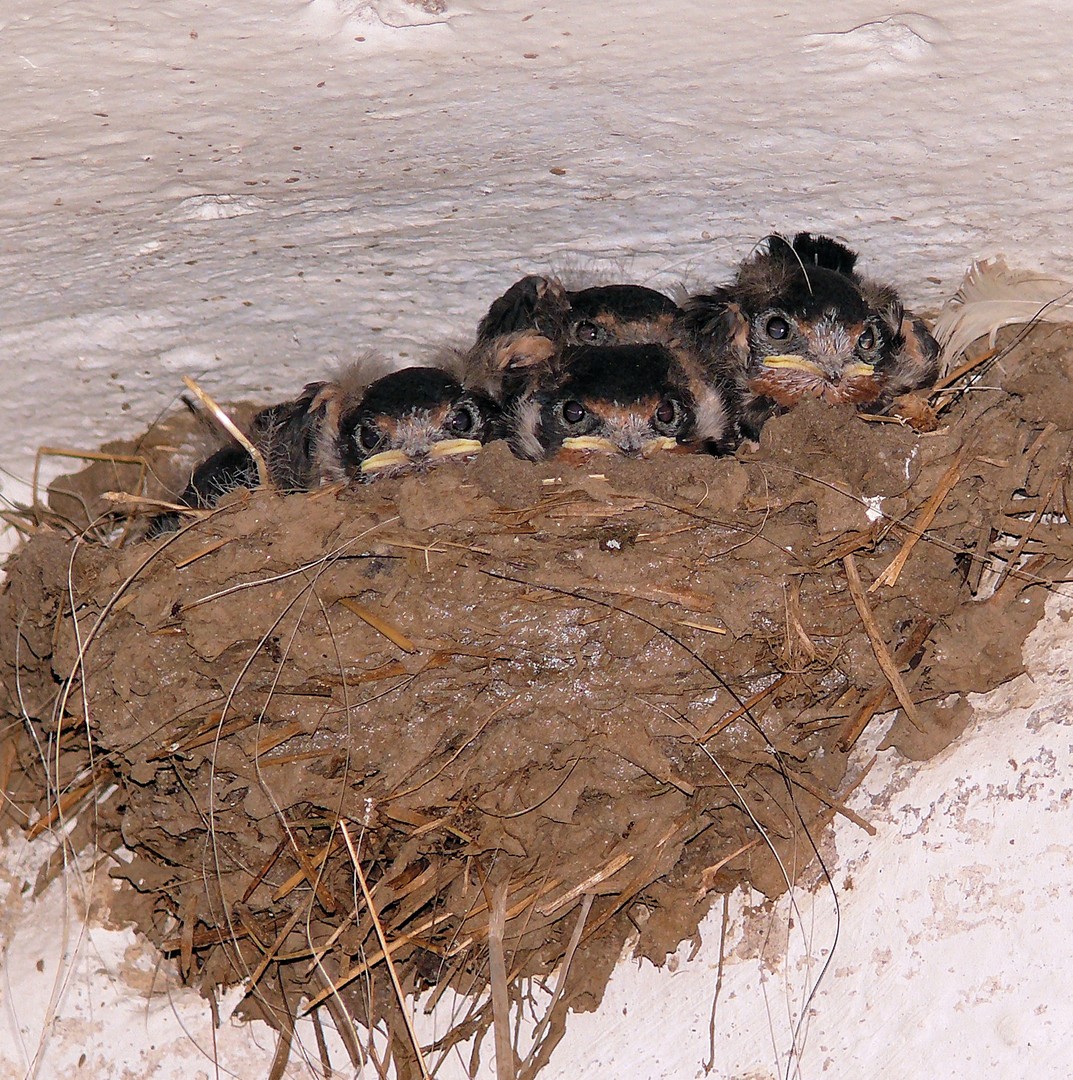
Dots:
pixel 1029 530
pixel 394 635
pixel 208 550
pixel 255 976
pixel 609 870
pixel 834 804
pixel 211 732
pixel 927 515
pixel 61 808
pixel 554 1005
pixel 360 874
pixel 497 973
pixel 231 428
pixel 882 654
pixel 309 872
pixel 708 874
pixel 743 709
pixel 960 371
pixel 874 701
pixel 701 626
pixel 84 455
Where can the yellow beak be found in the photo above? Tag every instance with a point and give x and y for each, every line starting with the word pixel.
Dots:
pixel 387 459
pixel 591 442
pixel 451 447
pixel 850 371
pixel 384 460
pixel 793 361
pixel 606 446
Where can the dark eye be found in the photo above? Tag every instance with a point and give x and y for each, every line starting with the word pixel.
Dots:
pixel 666 412
pixel 590 333
pixel 777 328
pixel 867 340
pixel 670 417
pixel 573 412
pixel 460 421
pixel 369 435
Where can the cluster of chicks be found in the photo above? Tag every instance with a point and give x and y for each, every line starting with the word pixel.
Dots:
pixel 615 368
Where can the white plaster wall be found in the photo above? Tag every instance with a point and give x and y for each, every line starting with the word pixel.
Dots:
pixel 249 194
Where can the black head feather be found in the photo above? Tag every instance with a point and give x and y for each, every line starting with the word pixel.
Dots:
pixel 230 468
pixel 824 252
pixel 624 301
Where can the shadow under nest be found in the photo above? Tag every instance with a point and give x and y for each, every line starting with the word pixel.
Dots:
pixel 539 711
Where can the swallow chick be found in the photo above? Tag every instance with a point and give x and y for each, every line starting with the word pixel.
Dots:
pixel 526 328
pixel 350 430
pixel 635 400
pixel 405 421
pixel 799 321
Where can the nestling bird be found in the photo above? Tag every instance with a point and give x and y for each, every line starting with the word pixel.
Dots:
pixel 798 321
pixel 350 430
pixel 409 419
pixel 537 316
pixel 628 399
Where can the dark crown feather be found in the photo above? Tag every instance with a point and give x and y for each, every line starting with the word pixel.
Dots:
pixel 824 252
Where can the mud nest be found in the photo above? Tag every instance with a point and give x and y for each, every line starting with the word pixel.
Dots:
pixel 538 711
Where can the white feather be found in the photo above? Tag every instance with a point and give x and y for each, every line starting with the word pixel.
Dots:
pixel 992 296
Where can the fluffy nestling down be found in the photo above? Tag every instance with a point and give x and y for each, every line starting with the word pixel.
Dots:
pixel 628 399
pixel 799 321
pixel 352 429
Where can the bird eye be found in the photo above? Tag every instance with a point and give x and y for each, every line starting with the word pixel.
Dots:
pixel 369 435
pixel 590 333
pixel 460 421
pixel 573 412
pixel 777 328
pixel 667 411
pixel 867 340
pixel 669 417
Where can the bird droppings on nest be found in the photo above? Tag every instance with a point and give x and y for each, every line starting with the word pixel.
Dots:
pixel 541 711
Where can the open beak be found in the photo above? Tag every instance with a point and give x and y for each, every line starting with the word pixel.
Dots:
pixel 388 459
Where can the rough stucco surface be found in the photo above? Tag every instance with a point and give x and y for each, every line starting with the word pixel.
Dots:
pixel 251 195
